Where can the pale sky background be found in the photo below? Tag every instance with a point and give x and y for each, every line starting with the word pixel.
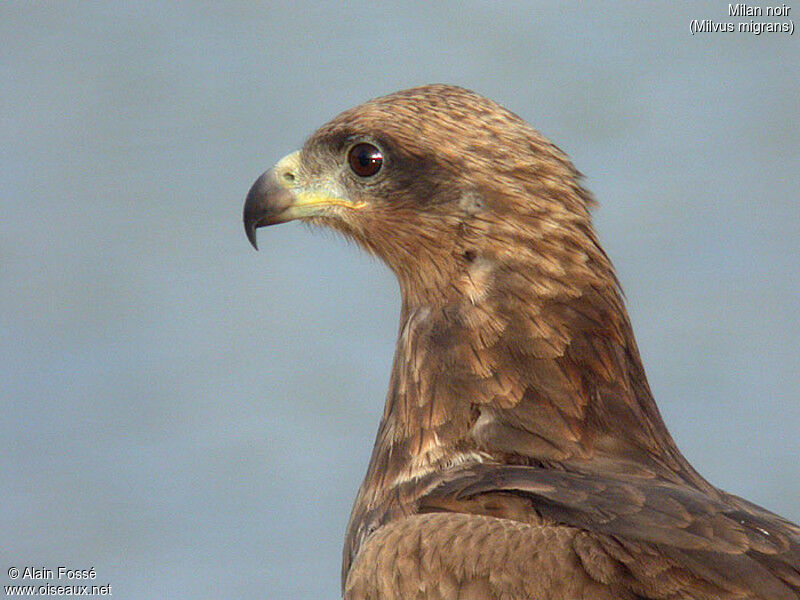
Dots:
pixel 192 418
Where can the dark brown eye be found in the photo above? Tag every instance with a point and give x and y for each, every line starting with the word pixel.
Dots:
pixel 365 160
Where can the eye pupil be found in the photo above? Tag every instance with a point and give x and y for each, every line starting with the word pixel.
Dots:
pixel 365 160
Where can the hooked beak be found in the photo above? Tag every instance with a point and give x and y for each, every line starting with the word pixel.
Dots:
pixel 267 204
pixel 277 197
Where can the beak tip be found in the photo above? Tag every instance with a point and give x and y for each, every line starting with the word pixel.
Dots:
pixel 251 235
pixel 256 206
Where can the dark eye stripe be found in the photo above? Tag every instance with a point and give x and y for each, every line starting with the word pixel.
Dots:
pixel 365 160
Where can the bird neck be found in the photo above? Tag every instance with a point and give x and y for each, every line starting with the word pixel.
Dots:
pixel 513 370
pixel 508 373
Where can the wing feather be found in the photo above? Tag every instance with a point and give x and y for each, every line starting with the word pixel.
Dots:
pixel 728 543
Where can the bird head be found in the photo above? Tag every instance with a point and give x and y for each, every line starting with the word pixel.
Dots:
pixel 440 183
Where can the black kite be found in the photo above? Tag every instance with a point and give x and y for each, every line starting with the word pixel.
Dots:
pixel 520 454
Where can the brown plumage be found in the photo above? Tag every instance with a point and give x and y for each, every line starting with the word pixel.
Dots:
pixel 520 454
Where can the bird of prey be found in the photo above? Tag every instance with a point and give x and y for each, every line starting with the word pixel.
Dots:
pixel 520 454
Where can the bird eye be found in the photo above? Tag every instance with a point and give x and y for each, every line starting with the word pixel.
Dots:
pixel 365 160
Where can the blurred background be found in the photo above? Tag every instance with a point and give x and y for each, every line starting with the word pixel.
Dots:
pixel 192 418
